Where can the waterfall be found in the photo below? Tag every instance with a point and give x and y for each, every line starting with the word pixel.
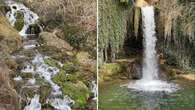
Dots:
pixel 150 66
pixel 150 80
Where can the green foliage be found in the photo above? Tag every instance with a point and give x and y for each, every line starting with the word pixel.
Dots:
pixel 112 24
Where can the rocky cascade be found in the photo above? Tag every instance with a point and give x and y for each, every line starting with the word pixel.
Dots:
pixel 44 72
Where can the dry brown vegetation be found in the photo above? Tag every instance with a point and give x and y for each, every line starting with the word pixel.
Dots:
pixel 172 11
pixel 80 13
pixel 8 96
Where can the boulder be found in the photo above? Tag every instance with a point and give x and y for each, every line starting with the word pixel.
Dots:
pixel 51 40
pixel 9 98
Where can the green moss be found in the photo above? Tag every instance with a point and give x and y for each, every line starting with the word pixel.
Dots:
pixel 77 91
pixel 26 75
pixel 51 62
pixel 62 77
pixel 72 87
pixel 70 67
pixel 112 68
pixel 19 21
pixel 59 78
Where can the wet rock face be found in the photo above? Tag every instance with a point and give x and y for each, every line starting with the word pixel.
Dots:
pixel 51 40
pixel 9 99
pixel 10 40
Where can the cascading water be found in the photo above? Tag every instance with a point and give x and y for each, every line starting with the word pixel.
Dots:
pixel 29 16
pixel 56 99
pixel 34 104
pixel 150 80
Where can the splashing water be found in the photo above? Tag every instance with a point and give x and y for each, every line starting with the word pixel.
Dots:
pixel 29 16
pixel 94 90
pixel 34 104
pixel 61 104
pixel 150 80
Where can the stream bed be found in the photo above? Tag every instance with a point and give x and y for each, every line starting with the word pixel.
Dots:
pixel 112 96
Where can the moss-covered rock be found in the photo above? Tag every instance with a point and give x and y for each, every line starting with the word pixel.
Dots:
pixel 78 92
pixel 72 87
pixel 108 70
pixel 19 21
pixel 122 68
pixel 52 62
pixel 62 77
pixel 70 67
pixel 26 75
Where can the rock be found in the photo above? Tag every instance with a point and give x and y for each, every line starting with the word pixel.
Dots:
pixel 10 40
pixel 85 60
pixel 123 68
pixel 108 70
pixel 190 77
pixel 51 40
pixel 134 71
pixel 9 98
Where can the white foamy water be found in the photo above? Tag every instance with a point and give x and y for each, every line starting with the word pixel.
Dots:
pixel 150 80
pixel 61 104
pixel 18 78
pixel 29 16
pixel 34 104
pixel 32 81
pixel 94 90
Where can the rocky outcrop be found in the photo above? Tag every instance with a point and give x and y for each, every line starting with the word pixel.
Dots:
pixel 8 96
pixel 141 3
pixel 51 40
pixel 122 69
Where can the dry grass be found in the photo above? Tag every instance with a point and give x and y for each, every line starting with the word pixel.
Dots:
pixel 8 96
pixel 171 11
pixel 81 13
